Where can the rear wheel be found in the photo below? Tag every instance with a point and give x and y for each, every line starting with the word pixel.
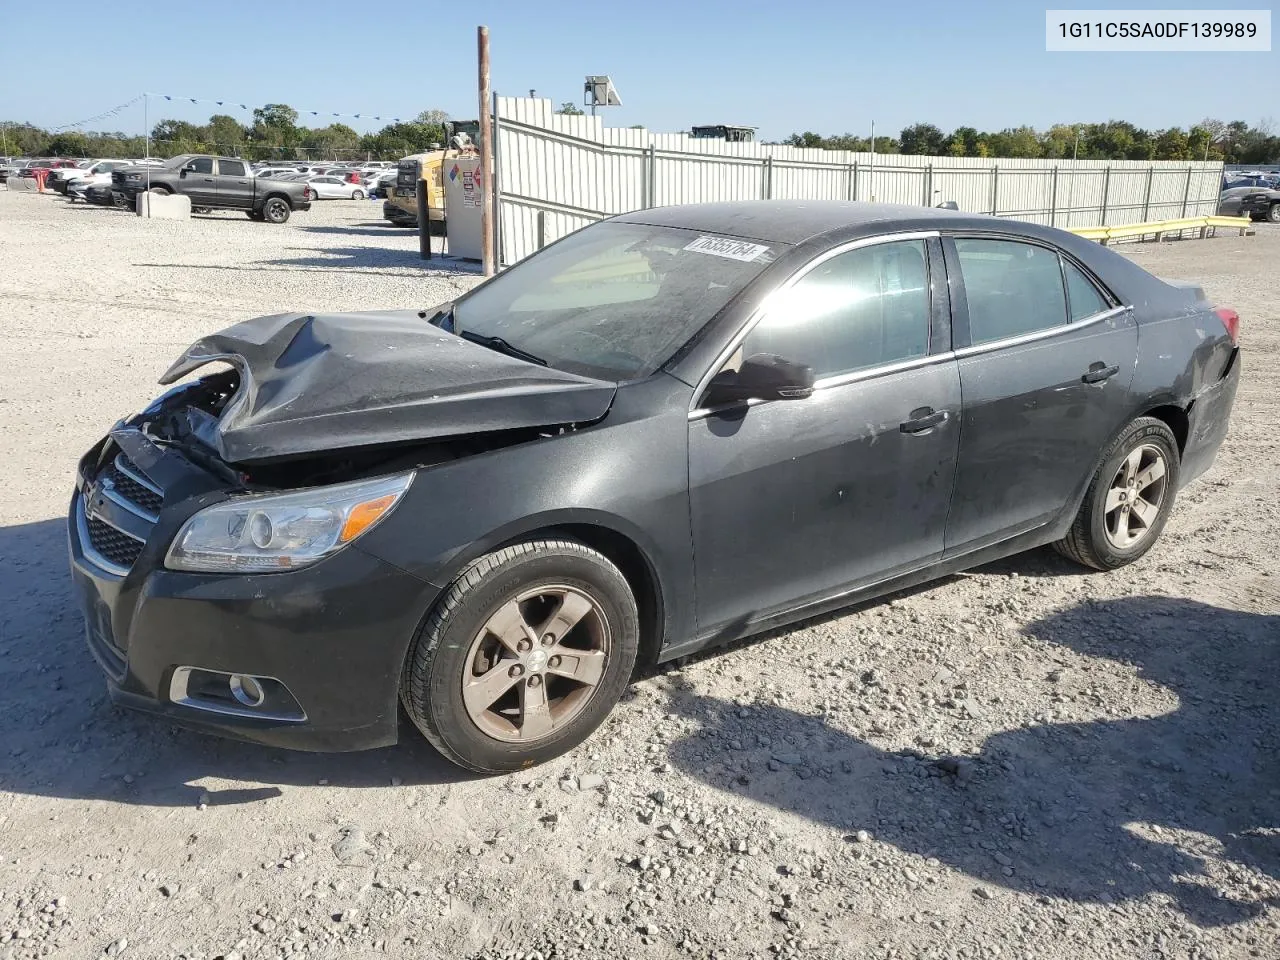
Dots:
pixel 1129 500
pixel 523 657
pixel 275 210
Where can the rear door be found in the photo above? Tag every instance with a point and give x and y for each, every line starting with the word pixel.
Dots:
pixel 1046 356
pixel 794 500
pixel 235 184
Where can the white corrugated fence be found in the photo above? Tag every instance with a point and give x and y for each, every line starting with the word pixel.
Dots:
pixel 557 173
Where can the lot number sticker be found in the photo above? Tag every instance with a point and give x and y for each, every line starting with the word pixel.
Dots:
pixel 729 249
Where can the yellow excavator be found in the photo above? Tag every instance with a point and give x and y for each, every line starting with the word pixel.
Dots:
pixel 401 206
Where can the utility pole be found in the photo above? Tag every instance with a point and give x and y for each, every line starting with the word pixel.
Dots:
pixel 486 155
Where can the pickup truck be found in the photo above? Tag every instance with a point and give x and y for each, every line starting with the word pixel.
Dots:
pixel 1257 202
pixel 214 183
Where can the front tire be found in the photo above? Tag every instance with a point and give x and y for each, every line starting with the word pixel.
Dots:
pixel 1273 213
pixel 275 210
pixel 357 194
pixel 1129 499
pixel 523 656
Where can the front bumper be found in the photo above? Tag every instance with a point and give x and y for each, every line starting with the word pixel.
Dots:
pixel 334 634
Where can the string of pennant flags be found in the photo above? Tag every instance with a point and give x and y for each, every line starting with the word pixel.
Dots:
pixel 311 113
pixel 221 103
pixel 101 116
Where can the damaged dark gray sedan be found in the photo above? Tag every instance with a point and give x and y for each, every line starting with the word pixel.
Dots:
pixel 667 430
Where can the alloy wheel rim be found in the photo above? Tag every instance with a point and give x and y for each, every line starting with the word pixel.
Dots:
pixel 1135 496
pixel 535 664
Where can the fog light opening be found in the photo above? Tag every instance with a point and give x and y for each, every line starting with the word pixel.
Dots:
pixel 247 690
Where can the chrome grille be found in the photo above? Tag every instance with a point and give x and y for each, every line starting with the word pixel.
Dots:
pixel 126 488
pixel 130 483
pixel 115 545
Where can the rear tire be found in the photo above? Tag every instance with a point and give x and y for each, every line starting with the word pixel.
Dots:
pixel 1129 499
pixel 523 590
pixel 275 210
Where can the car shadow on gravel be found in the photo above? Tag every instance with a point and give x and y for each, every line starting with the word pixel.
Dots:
pixel 369 230
pixel 64 738
pixel 1184 805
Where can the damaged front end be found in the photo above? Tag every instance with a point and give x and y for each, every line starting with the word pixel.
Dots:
pixel 304 385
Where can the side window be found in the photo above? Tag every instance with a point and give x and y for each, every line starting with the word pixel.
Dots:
pixel 861 309
pixel 1013 288
pixel 202 165
pixel 231 168
pixel 1083 298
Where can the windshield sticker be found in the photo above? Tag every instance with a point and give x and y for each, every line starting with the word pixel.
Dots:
pixel 730 249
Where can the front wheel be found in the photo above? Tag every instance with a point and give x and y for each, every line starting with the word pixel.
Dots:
pixel 1129 499
pixel 1273 213
pixel 523 657
pixel 357 194
pixel 275 210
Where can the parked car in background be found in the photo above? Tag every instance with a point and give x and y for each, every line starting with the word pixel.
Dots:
pixel 59 178
pixel 334 188
pixel 1259 203
pixel 101 195
pixel 99 173
pixel 376 184
pixel 831 402
pixel 215 183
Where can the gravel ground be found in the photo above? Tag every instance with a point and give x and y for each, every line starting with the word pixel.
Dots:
pixel 1025 761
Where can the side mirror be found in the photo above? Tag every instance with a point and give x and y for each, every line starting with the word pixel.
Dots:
pixel 762 376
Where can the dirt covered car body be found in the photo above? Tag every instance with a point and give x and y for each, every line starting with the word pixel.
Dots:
pixel 671 429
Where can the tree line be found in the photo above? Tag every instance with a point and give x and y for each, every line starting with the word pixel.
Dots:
pixel 274 134
pixel 1234 142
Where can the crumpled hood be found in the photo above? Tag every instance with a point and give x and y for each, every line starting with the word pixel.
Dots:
pixel 321 382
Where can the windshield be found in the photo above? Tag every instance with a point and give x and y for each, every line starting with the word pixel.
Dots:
pixel 181 160
pixel 615 300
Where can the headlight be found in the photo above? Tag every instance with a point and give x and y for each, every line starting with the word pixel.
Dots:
pixel 135 176
pixel 283 531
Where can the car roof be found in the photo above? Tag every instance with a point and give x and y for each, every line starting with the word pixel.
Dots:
pixel 794 221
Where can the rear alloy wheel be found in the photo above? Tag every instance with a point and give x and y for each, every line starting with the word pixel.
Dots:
pixel 275 210
pixel 523 657
pixel 1129 500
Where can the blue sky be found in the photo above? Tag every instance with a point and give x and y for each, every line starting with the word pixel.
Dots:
pixel 831 66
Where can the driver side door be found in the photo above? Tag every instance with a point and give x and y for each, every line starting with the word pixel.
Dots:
pixel 198 182
pixel 796 501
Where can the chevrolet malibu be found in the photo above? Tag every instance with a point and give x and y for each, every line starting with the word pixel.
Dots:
pixel 667 430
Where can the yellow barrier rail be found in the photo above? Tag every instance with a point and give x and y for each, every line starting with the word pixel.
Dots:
pixel 1158 228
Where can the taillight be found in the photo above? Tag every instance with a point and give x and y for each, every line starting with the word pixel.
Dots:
pixel 1231 320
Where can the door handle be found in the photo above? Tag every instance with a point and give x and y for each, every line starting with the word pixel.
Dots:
pixel 925 418
pixel 1098 372
pixel 208 179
